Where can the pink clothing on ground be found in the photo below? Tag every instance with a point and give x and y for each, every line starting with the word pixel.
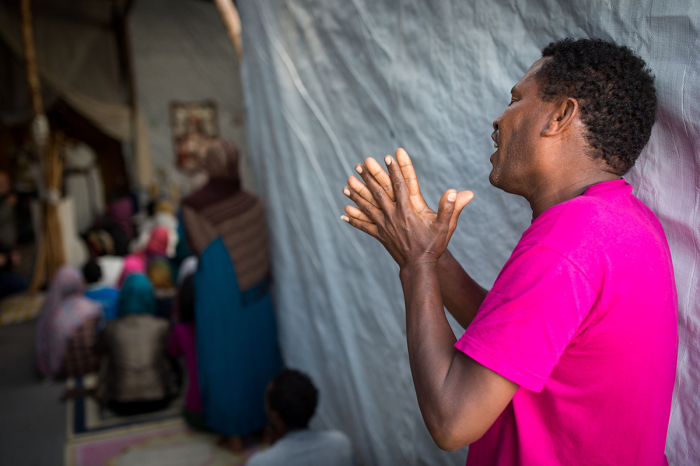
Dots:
pixel 583 317
pixel 182 343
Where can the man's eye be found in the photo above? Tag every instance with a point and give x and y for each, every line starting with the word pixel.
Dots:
pixel 511 102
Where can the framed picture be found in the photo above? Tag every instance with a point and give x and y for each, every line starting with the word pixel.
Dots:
pixel 193 124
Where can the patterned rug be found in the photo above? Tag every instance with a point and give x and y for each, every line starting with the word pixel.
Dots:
pixel 99 437
pixel 20 308
pixel 85 415
pixel 165 443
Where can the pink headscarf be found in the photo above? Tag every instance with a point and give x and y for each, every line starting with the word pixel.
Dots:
pixel 133 263
pixel 158 243
pixel 64 310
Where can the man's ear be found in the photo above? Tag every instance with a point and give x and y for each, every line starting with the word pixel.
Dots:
pixel 275 418
pixel 563 116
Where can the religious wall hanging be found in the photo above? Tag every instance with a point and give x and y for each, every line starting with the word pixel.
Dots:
pixel 193 125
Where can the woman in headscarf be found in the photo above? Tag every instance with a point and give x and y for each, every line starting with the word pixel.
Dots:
pixel 136 375
pixel 237 349
pixel 163 217
pixel 133 263
pixel 156 248
pixel 67 328
pixel 158 243
pixel 120 213
pixel 160 274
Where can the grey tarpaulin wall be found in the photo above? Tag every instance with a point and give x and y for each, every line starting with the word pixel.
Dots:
pixel 328 83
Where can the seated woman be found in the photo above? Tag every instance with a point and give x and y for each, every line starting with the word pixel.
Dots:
pixel 133 263
pixel 136 375
pixel 98 291
pixel 136 262
pixel 182 343
pixel 67 328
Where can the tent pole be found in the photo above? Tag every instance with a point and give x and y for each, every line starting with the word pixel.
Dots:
pixel 50 253
pixel 30 58
pixel 229 14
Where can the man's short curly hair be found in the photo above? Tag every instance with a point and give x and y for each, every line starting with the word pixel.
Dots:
pixel 614 89
pixel 294 397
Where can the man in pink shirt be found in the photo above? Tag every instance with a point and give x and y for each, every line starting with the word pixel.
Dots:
pixel 570 358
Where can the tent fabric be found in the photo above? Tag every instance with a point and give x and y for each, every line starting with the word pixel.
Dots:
pixel 77 57
pixel 78 60
pixel 330 83
pixel 182 53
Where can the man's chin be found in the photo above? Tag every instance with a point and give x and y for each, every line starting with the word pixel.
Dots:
pixel 494 179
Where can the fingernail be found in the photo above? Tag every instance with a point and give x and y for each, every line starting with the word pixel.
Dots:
pixel 345 218
pixel 451 196
pixel 346 191
pixel 387 160
pixel 358 169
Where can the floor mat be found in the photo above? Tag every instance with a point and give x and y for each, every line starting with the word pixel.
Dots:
pixel 20 308
pixel 165 443
pixel 85 415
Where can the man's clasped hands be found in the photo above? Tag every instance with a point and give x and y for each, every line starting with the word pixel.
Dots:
pixel 390 208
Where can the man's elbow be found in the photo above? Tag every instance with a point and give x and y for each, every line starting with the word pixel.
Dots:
pixel 450 436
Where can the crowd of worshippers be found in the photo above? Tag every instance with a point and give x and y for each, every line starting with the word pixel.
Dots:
pixel 187 310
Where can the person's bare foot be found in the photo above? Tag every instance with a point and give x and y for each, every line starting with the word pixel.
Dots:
pixel 233 443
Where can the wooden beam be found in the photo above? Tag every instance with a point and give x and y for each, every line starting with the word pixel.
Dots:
pixel 50 253
pixel 232 21
pixel 30 57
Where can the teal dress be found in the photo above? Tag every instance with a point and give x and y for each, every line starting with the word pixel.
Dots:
pixel 237 349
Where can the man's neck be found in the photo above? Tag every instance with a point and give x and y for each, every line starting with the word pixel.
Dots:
pixel 566 190
pixel 93 286
pixel 281 432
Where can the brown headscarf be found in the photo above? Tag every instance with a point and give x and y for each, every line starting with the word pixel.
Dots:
pixel 221 164
pixel 220 208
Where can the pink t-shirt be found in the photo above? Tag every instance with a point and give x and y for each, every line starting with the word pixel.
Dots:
pixel 583 317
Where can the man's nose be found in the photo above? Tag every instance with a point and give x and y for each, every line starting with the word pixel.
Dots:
pixel 495 123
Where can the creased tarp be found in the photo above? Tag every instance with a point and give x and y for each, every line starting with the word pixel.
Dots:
pixel 77 58
pixel 328 83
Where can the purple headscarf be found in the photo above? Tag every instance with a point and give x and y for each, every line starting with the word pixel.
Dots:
pixel 64 310
pixel 120 212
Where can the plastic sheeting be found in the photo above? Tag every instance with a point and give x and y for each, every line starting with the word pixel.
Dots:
pixel 77 57
pixel 330 83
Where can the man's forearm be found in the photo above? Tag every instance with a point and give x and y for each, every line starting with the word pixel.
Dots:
pixel 458 397
pixel 461 295
pixel 430 340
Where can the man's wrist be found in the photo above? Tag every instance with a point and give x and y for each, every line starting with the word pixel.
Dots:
pixel 445 258
pixel 419 264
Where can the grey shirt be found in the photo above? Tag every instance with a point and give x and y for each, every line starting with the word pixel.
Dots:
pixel 307 448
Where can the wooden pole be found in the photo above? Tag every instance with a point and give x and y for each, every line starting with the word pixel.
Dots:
pixel 232 21
pixel 30 58
pixel 50 252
